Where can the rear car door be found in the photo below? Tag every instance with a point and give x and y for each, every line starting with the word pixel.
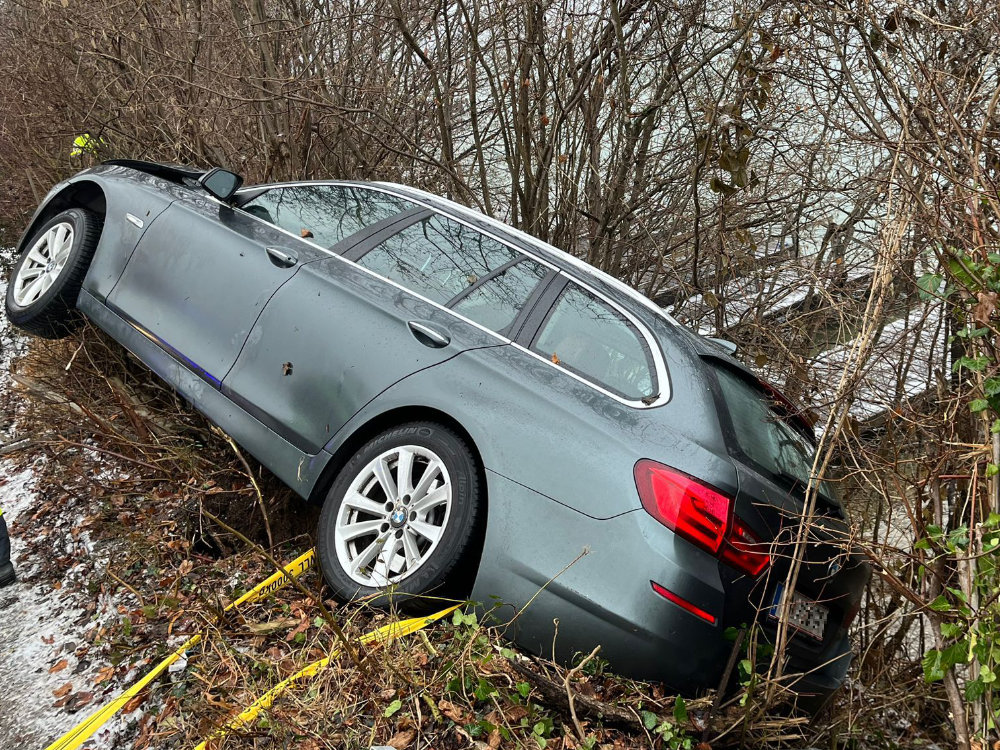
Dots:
pixel 346 328
pixel 196 284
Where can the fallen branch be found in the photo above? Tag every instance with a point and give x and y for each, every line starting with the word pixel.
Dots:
pixel 556 693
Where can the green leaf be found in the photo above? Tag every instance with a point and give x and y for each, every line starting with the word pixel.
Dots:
pixel 932 666
pixel 649 719
pixel 956 653
pixel 987 675
pixel 318 622
pixel 928 284
pixel 941 604
pixel 951 629
pixel 974 690
pixel 992 470
pixel 958 267
pixel 524 689
pixel 392 708
pixel 484 689
pixel 979 404
pixel 975 364
pixel 680 711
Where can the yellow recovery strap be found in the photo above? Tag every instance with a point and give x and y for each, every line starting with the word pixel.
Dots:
pixel 75 737
pixel 384 634
pixel 83 731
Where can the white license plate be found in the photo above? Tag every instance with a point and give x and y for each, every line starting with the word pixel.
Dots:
pixel 804 613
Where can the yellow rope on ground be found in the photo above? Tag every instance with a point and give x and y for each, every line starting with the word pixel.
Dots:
pixel 384 634
pixel 83 731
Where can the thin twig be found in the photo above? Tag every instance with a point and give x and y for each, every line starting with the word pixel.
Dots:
pixel 142 602
pixel 581 735
pixel 256 487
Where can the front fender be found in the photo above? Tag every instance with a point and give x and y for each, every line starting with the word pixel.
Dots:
pixel 112 192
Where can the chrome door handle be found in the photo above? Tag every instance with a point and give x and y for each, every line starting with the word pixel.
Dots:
pixel 280 257
pixel 429 335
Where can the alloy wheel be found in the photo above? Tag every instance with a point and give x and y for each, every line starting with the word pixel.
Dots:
pixel 393 515
pixel 45 261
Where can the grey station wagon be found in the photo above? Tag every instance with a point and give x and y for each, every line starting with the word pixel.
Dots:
pixel 478 412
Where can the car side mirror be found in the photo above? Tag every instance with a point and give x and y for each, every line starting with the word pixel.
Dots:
pixel 221 183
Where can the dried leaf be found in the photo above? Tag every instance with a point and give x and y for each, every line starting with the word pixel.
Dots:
pixel 64 690
pixel 104 674
pixel 453 712
pixel 59 666
pixel 133 704
pixel 280 623
pixel 403 739
pixel 983 311
pixel 81 699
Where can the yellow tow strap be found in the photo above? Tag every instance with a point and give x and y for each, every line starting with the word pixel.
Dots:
pixel 384 634
pixel 83 731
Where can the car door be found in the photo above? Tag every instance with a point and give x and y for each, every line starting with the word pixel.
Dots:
pixel 196 284
pixel 346 328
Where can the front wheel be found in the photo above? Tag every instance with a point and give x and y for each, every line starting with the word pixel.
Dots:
pixel 401 517
pixel 45 284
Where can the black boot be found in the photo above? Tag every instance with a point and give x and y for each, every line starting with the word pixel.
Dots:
pixel 6 566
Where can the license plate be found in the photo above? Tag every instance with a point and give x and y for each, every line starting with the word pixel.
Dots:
pixel 804 613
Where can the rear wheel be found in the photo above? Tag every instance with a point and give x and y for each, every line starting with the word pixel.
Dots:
pixel 400 518
pixel 45 284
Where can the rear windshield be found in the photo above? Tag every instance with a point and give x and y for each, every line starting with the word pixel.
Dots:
pixel 763 437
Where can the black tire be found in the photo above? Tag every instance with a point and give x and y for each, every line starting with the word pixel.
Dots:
pixel 446 569
pixel 53 314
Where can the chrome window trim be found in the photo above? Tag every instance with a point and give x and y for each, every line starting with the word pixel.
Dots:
pixel 659 361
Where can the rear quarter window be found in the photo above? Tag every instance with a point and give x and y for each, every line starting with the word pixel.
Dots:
pixel 590 338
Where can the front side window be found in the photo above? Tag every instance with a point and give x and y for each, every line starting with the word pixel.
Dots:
pixel 590 338
pixel 496 302
pixel 437 258
pixel 324 214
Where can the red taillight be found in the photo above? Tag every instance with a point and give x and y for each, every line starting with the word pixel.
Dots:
pixel 700 514
pixel 745 550
pixel 697 513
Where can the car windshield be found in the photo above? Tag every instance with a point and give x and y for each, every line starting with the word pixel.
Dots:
pixel 766 438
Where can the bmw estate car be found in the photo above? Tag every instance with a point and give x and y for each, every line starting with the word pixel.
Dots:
pixel 478 413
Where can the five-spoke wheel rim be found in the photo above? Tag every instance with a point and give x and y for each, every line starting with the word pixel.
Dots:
pixel 393 516
pixel 46 260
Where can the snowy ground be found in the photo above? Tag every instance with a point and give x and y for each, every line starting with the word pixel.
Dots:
pixel 49 669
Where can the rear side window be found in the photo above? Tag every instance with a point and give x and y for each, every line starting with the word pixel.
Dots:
pixel 437 258
pixel 592 339
pixel 496 302
pixel 763 436
pixel 325 214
